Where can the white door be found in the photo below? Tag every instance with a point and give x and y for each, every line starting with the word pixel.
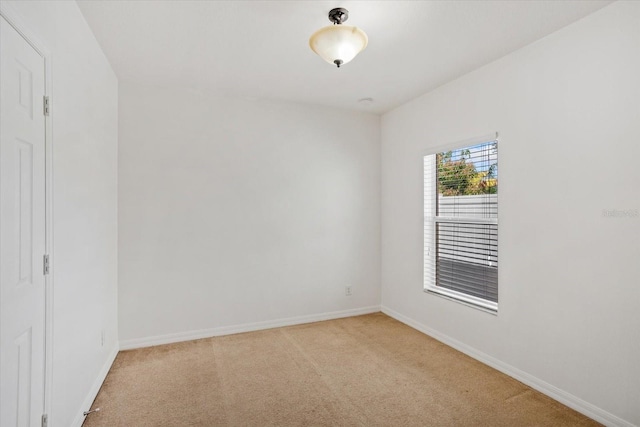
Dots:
pixel 22 231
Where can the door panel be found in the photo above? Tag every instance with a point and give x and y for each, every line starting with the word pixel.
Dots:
pixel 22 231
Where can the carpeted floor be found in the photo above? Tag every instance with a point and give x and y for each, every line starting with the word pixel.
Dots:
pixel 361 371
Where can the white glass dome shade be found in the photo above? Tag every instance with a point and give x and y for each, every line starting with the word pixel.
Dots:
pixel 338 43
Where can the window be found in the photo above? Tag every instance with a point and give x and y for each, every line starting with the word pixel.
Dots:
pixel 461 223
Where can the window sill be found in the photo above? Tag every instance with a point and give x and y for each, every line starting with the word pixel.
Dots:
pixel 473 302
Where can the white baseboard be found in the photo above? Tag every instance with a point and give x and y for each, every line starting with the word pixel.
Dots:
pixel 552 391
pixel 91 396
pixel 246 327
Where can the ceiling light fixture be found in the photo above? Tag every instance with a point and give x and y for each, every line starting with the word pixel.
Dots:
pixel 338 44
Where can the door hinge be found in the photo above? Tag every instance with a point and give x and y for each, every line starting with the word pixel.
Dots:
pixel 45 420
pixel 45 264
pixel 45 105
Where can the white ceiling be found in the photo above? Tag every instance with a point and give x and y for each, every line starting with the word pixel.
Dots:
pixel 259 49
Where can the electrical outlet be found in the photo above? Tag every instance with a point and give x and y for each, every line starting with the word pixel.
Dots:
pixel 102 334
pixel 347 290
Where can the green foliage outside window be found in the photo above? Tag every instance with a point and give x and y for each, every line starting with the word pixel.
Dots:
pixel 458 175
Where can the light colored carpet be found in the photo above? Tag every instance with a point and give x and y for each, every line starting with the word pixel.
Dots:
pixel 361 371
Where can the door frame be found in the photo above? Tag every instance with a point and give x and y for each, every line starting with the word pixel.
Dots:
pixel 13 17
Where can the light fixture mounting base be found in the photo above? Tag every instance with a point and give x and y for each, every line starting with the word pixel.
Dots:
pixel 338 15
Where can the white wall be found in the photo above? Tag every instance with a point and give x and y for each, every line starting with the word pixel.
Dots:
pixel 568 112
pixel 235 212
pixel 84 264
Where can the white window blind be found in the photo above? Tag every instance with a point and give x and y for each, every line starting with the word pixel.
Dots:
pixel 461 224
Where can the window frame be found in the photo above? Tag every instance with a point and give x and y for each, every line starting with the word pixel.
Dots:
pixel 429 285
